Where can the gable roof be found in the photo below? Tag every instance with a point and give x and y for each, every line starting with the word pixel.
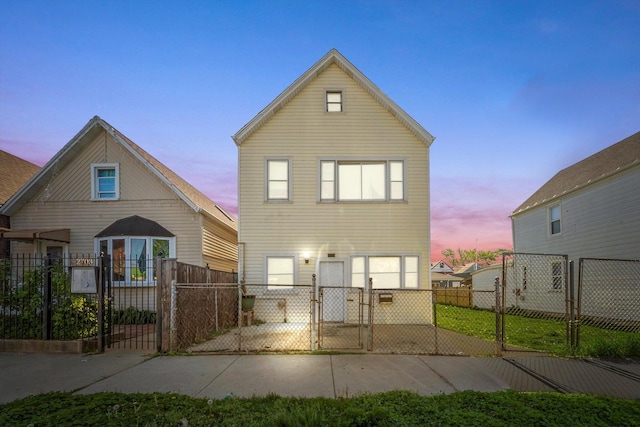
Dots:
pixel 614 159
pixel 332 57
pixel 14 173
pixel 185 191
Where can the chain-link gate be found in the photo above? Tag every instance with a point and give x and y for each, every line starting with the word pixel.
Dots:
pixel 535 286
pixel 341 318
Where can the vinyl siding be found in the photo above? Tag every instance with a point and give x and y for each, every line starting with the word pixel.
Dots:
pixel 303 132
pixel 599 221
pixel 65 202
pixel 220 247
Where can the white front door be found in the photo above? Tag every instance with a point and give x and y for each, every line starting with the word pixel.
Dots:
pixel 334 299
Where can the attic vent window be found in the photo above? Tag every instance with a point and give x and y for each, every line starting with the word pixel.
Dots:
pixel 334 101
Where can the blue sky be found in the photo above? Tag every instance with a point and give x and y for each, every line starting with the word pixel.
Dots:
pixel 513 91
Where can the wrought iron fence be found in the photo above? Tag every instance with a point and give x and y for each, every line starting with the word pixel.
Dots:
pixel 37 302
pixel 54 298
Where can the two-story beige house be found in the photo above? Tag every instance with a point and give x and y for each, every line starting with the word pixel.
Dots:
pixel 103 193
pixel 334 181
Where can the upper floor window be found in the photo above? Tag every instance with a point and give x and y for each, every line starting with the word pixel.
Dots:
pixel 377 180
pixel 278 185
pixel 554 220
pixel 105 181
pixel 334 101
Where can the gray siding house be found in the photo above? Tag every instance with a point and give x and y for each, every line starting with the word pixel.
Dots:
pixel 590 209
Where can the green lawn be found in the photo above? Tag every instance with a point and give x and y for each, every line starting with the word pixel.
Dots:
pixel 398 408
pixel 539 334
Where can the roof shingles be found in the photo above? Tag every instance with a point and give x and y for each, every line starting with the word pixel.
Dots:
pixel 611 160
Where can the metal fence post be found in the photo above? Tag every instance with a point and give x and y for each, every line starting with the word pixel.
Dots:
pixel 497 311
pixel 370 315
pixel 571 311
pixel 46 318
pixel 159 312
pixel 240 293
pixel 100 291
pixel 314 332
pixel 434 305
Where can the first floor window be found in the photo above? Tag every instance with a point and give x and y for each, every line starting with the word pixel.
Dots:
pixel 556 275
pixel 131 260
pixel 105 181
pixel 280 272
pixel 387 272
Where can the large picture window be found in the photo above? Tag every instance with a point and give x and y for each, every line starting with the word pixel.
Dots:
pixel 132 258
pixel 105 181
pixel 351 181
pixel 387 272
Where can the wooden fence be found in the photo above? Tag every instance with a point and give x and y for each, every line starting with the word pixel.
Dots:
pixel 192 300
pixel 459 296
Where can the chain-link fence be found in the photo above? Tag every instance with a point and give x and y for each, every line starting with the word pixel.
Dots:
pixel 295 318
pixel 267 318
pixel 608 295
pixel 534 286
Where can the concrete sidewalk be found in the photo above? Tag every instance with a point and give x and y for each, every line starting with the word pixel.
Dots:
pixel 332 376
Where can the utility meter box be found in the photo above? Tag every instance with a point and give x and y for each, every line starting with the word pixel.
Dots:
pixel 84 280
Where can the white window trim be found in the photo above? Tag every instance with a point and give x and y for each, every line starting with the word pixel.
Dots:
pixel 127 246
pixel 403 271
pixel 363 160
pixel 94 182
pixel 283 288
pixel 326 101
pixel 289 161
pixel 549 220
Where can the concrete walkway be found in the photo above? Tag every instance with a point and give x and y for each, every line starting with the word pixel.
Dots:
pixel 332 376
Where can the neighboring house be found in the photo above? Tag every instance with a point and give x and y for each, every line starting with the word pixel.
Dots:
pixel 590 209
pixel 334 181
pixel 485 280
pixel 446 280
pixel 103 193
pixel 14 172
pixel 441 267
pixel 466 270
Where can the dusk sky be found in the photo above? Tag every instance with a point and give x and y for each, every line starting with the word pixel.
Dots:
pixel 513 91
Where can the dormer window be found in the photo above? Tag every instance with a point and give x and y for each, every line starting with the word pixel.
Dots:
pixel 105 181
pixel 334 101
